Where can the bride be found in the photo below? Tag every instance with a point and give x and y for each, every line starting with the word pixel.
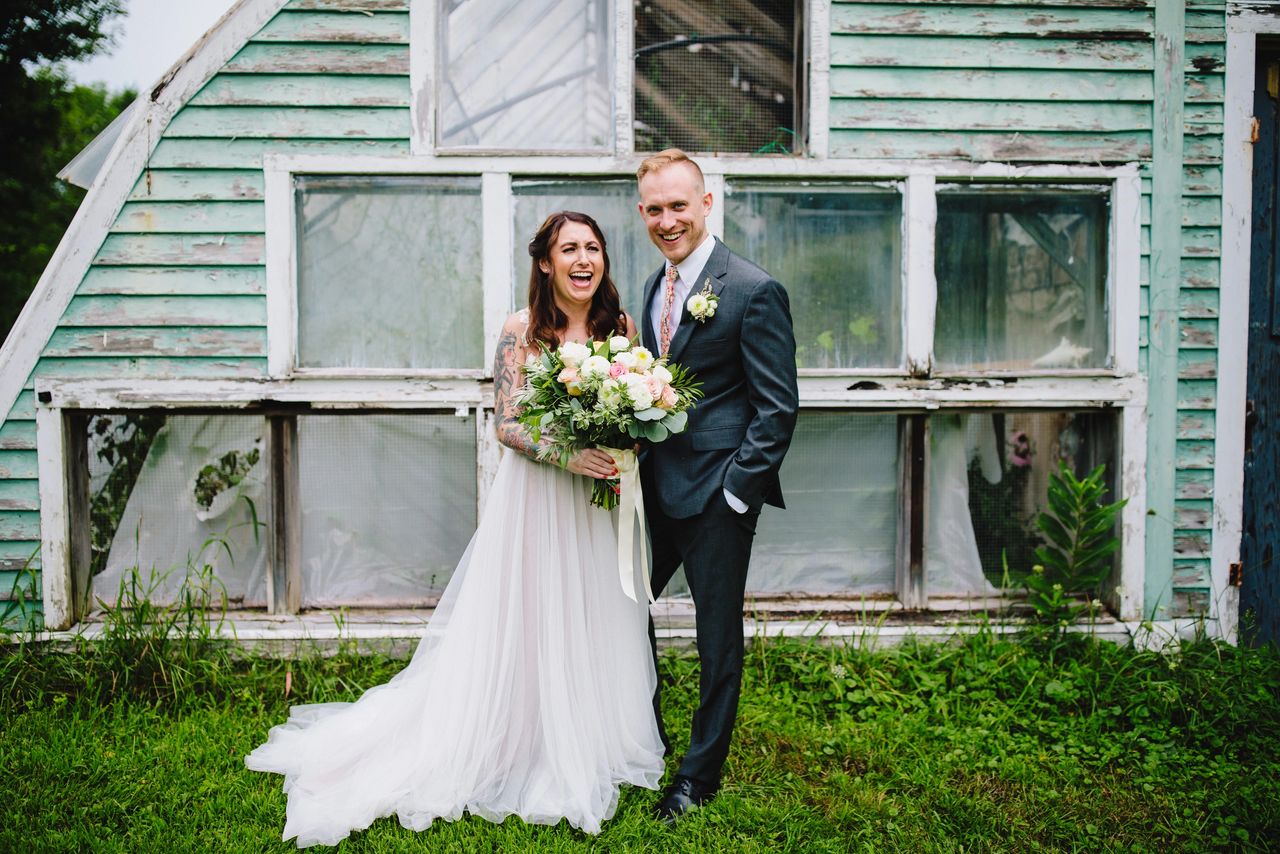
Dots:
pixel 531 692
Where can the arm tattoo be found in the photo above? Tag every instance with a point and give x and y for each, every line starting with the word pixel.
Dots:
pixel 506 382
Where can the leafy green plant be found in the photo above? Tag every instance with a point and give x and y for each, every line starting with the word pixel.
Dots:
pixel 1079 531
pixel 122 442
pixel 159 649
pixel 229 471
pixel 16 617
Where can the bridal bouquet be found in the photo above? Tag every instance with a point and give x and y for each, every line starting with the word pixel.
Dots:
pixel 603 394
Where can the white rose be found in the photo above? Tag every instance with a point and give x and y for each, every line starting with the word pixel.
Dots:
pixel 618 343
pixel 572 353
pixel 594 366
pixel 698 305
pixel 627 359
pixel 644 359
pixel 661 374
pixel 638 391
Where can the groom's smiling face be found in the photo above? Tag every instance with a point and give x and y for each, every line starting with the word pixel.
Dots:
pixel 675 204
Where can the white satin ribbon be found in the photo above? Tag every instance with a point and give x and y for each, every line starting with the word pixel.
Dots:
pixel 631 510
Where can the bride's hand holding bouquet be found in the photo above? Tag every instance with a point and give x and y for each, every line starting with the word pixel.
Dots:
pixel 603 394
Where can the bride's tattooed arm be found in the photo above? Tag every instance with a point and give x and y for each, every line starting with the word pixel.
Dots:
pixel 506 381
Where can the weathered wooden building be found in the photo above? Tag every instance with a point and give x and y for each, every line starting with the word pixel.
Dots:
pixel 1001 223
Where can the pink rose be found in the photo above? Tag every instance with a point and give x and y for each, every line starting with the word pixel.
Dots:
pixel 668 398
pixel 568 375
pixel 655 386
pixel 617 369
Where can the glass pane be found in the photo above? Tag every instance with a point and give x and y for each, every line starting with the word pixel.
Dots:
pixel 988 481
pixel 388 506
pixel 717 76
pixel 389 272
pixel 632 257
pixel 837 249
pixel 526 74
pixel 173 495
pixel 839 533
pixel 1022 280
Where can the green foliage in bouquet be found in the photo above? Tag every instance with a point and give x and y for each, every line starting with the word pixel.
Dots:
pixel 603 394
pixel 1079 531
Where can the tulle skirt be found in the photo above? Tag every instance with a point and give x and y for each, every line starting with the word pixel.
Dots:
pixel 530 695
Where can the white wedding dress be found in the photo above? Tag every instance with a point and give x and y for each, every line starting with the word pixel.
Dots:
pixel 530 695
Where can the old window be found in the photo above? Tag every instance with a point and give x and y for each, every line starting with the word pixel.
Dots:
pixel 388 504
pixel 533 75
pixel 1022 279
pixel 718 77
pixel 837 249
pixel 389 272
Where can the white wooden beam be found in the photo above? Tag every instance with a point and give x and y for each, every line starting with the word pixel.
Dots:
pixel 55 535
pixel 624 69
pixel 423 46
pixel 1132 485
pixel 1124 272
pixel 919 280
pixel 1233 327
pixel 281 251
pixel 819 96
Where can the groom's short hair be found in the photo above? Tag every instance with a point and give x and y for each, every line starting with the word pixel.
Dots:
pixel 665 158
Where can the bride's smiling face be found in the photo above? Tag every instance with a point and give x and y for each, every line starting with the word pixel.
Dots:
pixel 575 264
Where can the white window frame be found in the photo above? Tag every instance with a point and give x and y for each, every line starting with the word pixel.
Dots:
pixel 425 76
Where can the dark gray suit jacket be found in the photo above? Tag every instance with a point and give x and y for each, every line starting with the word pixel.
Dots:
pixel 745 358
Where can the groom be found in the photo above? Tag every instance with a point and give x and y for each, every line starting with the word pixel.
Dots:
pixel 704 487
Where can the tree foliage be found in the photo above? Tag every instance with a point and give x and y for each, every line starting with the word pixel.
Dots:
pixel 47 120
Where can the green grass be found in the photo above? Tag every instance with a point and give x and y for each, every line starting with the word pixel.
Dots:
pixel 985 744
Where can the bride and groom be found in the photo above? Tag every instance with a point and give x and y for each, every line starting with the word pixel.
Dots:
pixel 534 691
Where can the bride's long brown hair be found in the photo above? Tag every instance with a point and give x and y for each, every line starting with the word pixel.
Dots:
pixel 545 317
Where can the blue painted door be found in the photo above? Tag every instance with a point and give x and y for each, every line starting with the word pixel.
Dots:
pixel 1260 546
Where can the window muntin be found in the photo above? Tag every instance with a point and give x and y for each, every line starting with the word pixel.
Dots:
pixel 837 249
pixel 388 505
pixel 389 272
pixel 532 75
pixel 612 203
pixel 718 76
pixel 1022 279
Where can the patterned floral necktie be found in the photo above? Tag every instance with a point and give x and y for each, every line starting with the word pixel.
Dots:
pixel 668 299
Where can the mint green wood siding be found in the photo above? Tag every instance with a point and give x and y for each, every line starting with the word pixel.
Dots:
pixel 177 287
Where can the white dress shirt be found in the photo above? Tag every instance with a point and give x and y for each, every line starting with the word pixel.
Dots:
pixel 687 272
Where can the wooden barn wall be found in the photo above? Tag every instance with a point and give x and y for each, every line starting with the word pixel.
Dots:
pixel 177 287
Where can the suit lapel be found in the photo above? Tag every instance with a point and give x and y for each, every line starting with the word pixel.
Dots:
pixel 713 273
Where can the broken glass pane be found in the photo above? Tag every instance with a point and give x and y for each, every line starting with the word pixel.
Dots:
pixel 836 248
pixel 173 495
pixel 717 77
pixel 1022 279
pixel 526 74
pixel 389 272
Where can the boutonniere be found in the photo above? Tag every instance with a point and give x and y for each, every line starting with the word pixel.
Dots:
pixel 702 305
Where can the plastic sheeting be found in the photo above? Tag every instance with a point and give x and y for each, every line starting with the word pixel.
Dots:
pixel 388 506
pixel 389 272
pixel 163 529
pixel 952 564
pixel 526 74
